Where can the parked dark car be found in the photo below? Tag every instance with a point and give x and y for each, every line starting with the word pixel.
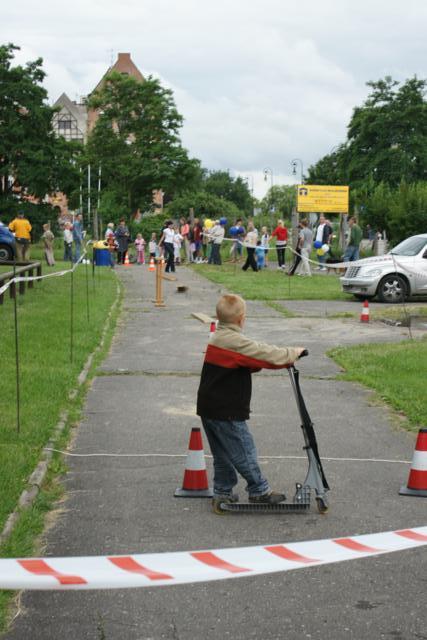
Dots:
pixel 7 243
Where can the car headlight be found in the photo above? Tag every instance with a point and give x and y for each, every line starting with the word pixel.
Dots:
pixel 372 272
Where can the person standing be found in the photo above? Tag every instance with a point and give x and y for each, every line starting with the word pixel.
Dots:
pixel 197 239
pixel 251 240
pixel 68 242
pixel 77 236
pixel 122 237
pixel 166 240
pixel 297 256
pixel 140 246
pixel 21 227
pixel 184 230
pixel 110 239
pixel 265 243
pixel 48 239
pixel 306 237
pixel 152 246
pixel 281 235
pixel 352 249
pixel 177 242
pixel 216 235
pixel 323 235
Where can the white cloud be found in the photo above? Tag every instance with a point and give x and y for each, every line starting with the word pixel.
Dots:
pixel 258 82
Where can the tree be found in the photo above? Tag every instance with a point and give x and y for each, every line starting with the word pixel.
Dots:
pixel 222 185
pixel 280 200
pixel 205 205
pixel 386 139
pixel 136 141
pixel 33 162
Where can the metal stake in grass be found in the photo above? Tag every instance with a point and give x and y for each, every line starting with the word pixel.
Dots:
pixel 87 289
pixel 18 398
pixel 71 312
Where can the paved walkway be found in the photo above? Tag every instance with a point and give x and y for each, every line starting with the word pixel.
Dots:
pixel 143 401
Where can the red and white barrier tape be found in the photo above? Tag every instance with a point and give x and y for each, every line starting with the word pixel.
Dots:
pixel 54 274
pixel 158 569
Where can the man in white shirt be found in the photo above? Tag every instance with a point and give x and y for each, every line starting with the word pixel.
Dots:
pixel 216 236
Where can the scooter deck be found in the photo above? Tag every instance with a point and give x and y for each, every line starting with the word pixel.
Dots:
pixel 281 507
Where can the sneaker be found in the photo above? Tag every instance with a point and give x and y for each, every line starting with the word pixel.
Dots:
pixel 229 498
pixel 272 497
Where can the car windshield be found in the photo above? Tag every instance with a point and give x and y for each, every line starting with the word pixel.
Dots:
pixel 410 246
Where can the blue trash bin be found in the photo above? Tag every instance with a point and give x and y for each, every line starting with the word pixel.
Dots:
pixel 102 257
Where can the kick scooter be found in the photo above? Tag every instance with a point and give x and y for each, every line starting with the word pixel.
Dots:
pixel 315 479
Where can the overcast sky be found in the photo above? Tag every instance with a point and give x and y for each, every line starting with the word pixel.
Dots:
pixel 259 82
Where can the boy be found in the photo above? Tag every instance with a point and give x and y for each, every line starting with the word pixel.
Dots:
pixel 224 397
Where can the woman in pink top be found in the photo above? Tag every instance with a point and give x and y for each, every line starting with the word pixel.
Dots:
pixel 281 235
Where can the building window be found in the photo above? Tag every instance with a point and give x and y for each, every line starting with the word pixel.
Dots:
pixel 64 125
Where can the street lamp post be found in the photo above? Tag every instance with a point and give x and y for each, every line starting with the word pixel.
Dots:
pixel 294 165
pixel 251 188
pixel 269 172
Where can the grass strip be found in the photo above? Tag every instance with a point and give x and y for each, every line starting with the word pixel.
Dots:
pixel 397 372
pixel 272 284
pixel 46 373
pixel 24 540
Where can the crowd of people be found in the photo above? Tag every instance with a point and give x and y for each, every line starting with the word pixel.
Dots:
pixel 200 241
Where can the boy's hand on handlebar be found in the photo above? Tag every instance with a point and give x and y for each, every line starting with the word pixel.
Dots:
pixel 302 351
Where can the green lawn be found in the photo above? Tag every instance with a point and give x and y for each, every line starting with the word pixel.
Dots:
pixel 272 284
pixel 46 372
pixel 398 372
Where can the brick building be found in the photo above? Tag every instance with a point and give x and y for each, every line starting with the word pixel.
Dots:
pixel 74 120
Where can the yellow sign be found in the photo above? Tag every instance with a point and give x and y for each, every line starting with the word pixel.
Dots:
pixel 317 198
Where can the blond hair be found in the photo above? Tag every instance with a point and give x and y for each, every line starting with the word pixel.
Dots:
pixel 230 308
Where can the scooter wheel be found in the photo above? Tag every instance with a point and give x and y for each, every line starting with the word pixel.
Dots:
pixel 216 507
pixel 322 505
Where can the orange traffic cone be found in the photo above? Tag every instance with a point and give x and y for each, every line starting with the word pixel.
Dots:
pixel 364 316
pixel 195 483
pixel 151 266
pixel 417 481
pixel 126 262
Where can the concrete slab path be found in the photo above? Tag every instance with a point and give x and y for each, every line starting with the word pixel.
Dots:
pixel 142 403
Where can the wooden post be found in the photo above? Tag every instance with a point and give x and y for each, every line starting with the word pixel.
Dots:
pixel 30 282
pixel 159 283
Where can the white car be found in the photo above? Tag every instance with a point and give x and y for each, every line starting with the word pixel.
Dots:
pixel 400 274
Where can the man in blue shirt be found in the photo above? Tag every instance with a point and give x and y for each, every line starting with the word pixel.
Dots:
pixel 77 236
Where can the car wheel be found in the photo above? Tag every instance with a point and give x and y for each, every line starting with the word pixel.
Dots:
pixel 392 289
pixel 6 253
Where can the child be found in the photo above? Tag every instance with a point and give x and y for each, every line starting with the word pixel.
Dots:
pixel 260 255
pixel 152 246
pixel 265 242
pixel 223 401
pixel 139 246
pixel 48 239
pixel 177 241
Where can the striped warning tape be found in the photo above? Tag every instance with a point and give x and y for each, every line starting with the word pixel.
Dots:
pixel 156 569
pixel 53 274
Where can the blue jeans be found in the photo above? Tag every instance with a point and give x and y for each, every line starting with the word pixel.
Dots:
pixel 233 449
pixel 77 250
pixel 351 253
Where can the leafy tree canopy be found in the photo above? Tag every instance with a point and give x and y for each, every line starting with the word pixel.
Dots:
pixel 31 156
pixel 204 205
pixel 136 140
pixel 222 185
pixel 386 138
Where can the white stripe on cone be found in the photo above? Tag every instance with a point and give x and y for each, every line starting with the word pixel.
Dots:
pixel 195 461
pixel 156 569
pixel 419 460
